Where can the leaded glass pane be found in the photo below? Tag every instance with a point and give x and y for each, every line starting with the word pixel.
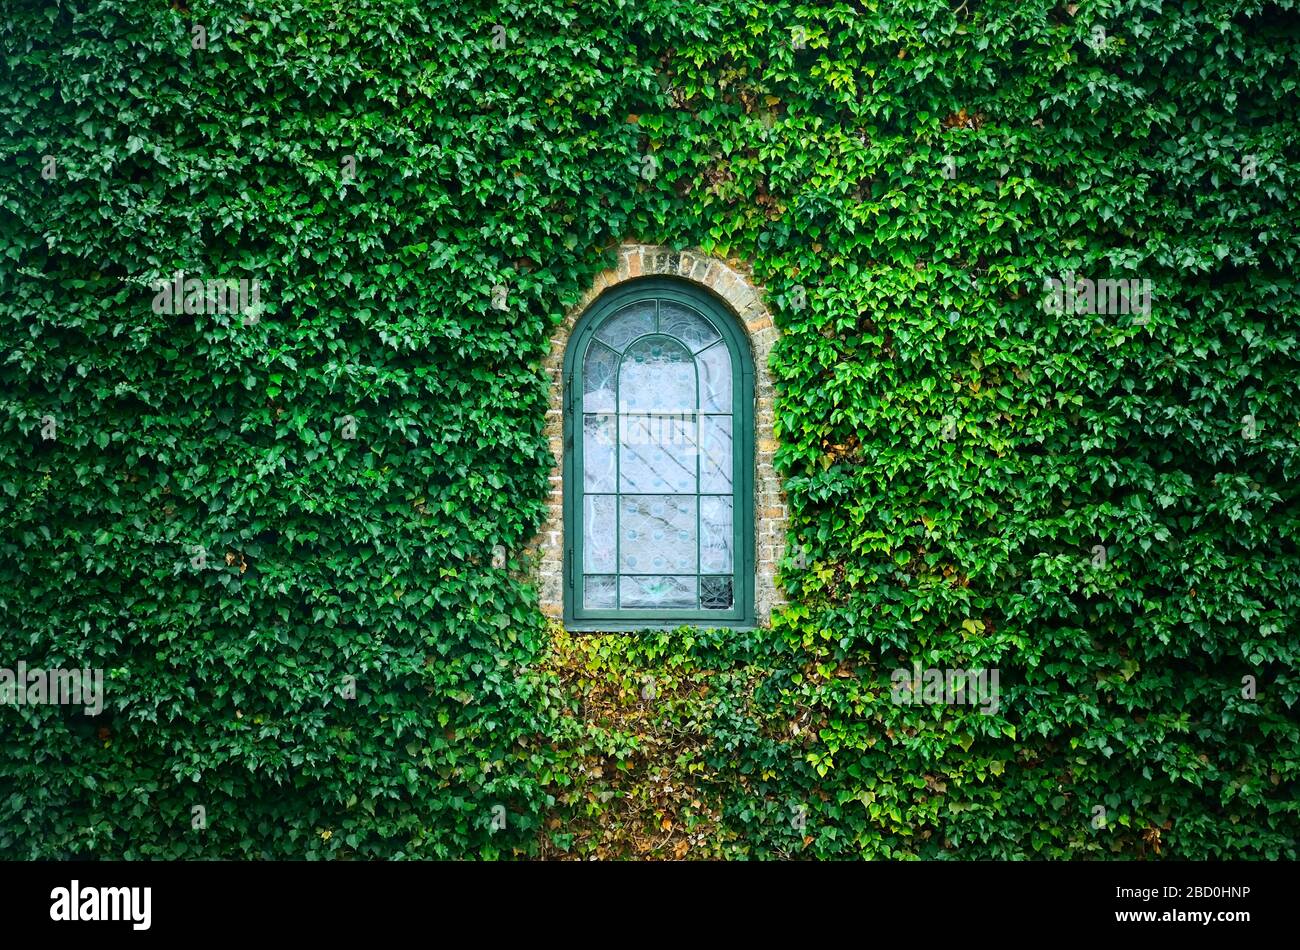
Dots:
pixel 715 533
pixel 659 591
pixel 600 591
pixel 598 372
pixel 657 374
pixel 657 453
pixel 657 534
pixel 627 324
pixel 598 534
pixel 598 453
pixel 716 593
pixel 715 379
pixel 715 454
pixel 686 325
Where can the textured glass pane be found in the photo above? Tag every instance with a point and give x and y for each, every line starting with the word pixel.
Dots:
pixel 686 325
pixel 715 455
pixel 659 591
pixel 715 534
pixel 600 591
pixel 657 453
pixel 657 534
pixel 598 379
pixel 627 324
pixel 598 533
pixel 715 593
pixel 658 374
pixel 598 453
pixel 715 379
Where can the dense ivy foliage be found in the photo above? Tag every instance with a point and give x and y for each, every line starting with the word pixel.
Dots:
pixel 275 531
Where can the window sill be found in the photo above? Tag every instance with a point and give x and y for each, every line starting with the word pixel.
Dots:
pixel 633 626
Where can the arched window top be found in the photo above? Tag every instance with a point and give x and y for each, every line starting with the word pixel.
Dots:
pixel 658 461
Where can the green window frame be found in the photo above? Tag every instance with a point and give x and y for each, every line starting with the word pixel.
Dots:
pixel 645 338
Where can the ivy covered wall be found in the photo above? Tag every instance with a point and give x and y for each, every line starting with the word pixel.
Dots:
pixel 274 528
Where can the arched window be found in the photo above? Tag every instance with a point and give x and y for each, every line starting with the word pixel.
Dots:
pixel 658 480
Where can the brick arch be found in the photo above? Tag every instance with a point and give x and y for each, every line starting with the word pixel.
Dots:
pixel 745 300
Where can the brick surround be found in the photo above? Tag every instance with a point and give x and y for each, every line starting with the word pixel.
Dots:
pixel 727 281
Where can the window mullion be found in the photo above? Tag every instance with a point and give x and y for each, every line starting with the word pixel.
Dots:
pixel 618 485
pixel 699 437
